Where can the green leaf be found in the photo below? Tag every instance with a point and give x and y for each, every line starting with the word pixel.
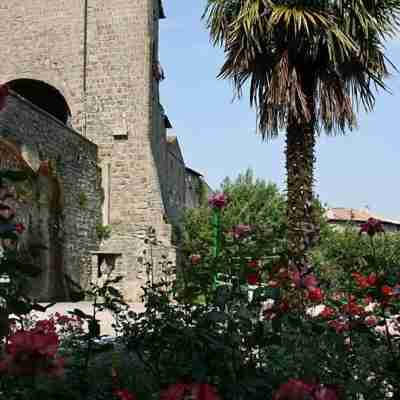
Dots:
pixel 15 175
pixel 4 323
pixel 318 328
pixel 217 316
pixel 274 293
pixel 19 307
pixel 199 367
pixel 114 292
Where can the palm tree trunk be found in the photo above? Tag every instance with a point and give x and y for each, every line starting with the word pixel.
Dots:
pixel 300 159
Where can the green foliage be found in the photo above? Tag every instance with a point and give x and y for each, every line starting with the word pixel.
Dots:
pixel 103 231
pixel 243 346
pixel 343 250
pixel 82 200
pixel 208 343
pixel 246 346
pixel 251 201
pixel 201 191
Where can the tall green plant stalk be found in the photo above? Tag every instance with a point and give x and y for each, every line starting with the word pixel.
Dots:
pixel 216 222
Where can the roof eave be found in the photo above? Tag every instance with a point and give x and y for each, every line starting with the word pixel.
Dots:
pixel 161 13
pixel 194 172
pixel 167 123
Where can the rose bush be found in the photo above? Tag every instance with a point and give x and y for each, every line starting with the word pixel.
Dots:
pixel 328 330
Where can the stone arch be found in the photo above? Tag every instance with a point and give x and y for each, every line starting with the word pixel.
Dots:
pixel 43 95
pixel 51 71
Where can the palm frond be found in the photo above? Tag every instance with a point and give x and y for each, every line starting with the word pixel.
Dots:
pixel 311 62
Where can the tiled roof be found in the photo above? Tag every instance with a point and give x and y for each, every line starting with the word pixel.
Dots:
pixel 351 214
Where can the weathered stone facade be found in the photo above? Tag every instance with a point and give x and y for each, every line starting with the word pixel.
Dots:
pixel 93 65
pixel 196 189
pixel 175 190
pixel 64 202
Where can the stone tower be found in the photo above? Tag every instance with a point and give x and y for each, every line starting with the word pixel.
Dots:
pixel 102 56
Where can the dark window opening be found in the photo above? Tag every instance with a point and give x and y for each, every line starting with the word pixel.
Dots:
pixel 44 96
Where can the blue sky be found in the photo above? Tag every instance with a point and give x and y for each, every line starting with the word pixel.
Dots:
pixel 219 139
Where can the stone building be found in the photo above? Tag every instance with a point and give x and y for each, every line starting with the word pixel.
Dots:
pixel 196 189
pixel 61 202
pixel 176 171
pixel 84 77
pixel 343 217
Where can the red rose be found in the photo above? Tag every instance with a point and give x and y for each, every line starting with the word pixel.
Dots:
pixel 371 320
pixel 124 394
pixel 294 389
pixel 364 281
pixel 371 279
pixel 240 231
pixel 19 228
pixel 218 201
pixel 353 308
pixel 253 278
pixel 323 392
pixel 368 300
pixel 195 259
pixel 204 391
pixel 339 326
pixel 33 352
pixel 196 391
pixel 315 294
pixel 372 227
pixel 176 391
pixel 327 312
pixel 284 306
pixel 252 264
pixel 387 290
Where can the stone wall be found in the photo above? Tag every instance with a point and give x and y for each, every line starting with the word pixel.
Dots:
pixel 176 181
pixel 196 189
pixel 46 143
pixel 43 40
pixel 131 254
pixel 123 107
pixel 102 61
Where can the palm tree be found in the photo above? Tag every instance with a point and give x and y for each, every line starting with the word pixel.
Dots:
pixel 309 65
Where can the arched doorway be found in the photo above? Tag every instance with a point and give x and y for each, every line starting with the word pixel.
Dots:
pixel 43 95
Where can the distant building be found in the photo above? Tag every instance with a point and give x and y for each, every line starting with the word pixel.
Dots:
pixel 349 216
pixel 185 187
pixel 175 182
pixel 197 190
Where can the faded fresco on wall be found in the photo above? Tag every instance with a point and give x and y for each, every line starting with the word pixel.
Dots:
pixel 37 204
